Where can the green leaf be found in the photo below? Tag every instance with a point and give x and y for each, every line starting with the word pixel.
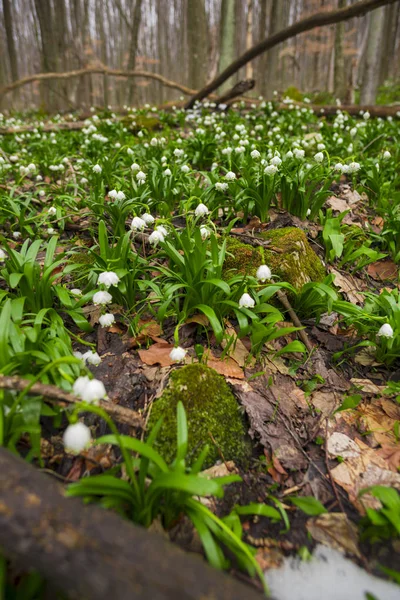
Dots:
pixel 214 321
pixel 349 402
pixel 137 446
pixel 309 505
pixel 191 484
pixel 263 510
pixel 182 433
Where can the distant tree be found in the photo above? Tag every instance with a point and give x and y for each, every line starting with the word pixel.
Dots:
pixel 339 82
pixel 373 57
pixel 227 37
pixel 197 38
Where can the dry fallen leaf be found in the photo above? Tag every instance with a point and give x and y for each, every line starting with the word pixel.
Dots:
pixel 237 350
pixel 391 453
pixel 349 285
pixel 157 354
pixel 227 367
pixel 336 531
pixel 366 385
pixel 338 204
pixel 383 270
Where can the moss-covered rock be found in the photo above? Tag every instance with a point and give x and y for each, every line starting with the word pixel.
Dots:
pixel 210 408
pixel 297 264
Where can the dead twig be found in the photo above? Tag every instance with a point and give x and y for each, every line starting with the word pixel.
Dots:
pixel 54 395
pixel 295 319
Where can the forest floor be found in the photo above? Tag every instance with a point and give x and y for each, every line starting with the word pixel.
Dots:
pixel 315 372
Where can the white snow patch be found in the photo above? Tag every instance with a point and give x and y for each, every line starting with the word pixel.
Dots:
pixel 327 576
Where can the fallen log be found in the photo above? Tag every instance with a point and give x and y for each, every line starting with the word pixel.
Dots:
pixel 87 552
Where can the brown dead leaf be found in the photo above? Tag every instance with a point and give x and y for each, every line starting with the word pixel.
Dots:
pixel 364 470
pixel 227 367
pixel 158 353
pixel 349 285
pixel 391 453
pixel 275 468
pixel 366 385
pixel 375 420
pixel 237 350
pixel 336 531
pixel 199 318
pixel 383 270
pixel 269 558
pixel 366 357
pixel 220 470
pixel 338 204
pixel 326 402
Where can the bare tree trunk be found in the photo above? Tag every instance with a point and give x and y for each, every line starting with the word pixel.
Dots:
pixel 12 52
pixel 339 84
pixel 49 56
pixel 278 21
pixel 370 82
pixel 197 43
pixel 227 36
pixel 137 15
pixel 249 37
pixel 103 41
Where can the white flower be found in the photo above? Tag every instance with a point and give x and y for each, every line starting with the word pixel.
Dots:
pixel 138 224
pixel 108 278
pixel 354 167
pixel 17 235
pixel 177 354
pixel 81 382
pixel 308 213
pixel 386 331
pixel 255 154
pixel 135 167
pixel 106 320
pixel 205 233
pixel 289 154
pixel 319 157
pixel 298 153
pixel 221 186
pixel 97 169
pixel 102 298
pixel 353 131
pixel 263 273
pixel 148 219
pixel 185 169
pixel 156 237
pixel 338 167
pixel 83 180
pixel 78 354
pixel 345 169
pixel 140 176
pixel 154 142
pixel 386 154
pixel 120 195
pixel 112 194
pixel 167 172
pixel 246 301
pixel 276 161
pixel 3 255
pixel 52 211
pixel 51 231
pixel 366 116
pixel 230 176
pixel 271 170
pixel 93 391
pixel 77 437
pixel 178 152
pixel 92 358
pixel 201 210
pixel 39 178
pixel 76 292
pixel 161 229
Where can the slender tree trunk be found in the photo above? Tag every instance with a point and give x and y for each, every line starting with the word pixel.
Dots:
pixel 197 47
pixel 137 15
pixel 227 36
pixel 249 37
pixel 339 84
pixel 278 20
pixel 49 54
pixel 370 82
pixel 12 52
pixel 103 52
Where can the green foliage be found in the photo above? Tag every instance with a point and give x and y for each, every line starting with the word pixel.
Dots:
pixel 383 523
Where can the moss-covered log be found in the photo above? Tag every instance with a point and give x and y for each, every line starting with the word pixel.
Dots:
pixel 87 552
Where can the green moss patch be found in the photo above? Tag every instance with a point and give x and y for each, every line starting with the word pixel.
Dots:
pixel 297 264
pixel 210 408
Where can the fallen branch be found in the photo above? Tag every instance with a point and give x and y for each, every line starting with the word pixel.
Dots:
pixel 317 20
pixel 88 552
pixel 295 319
pixel 54 395
pixel 98 69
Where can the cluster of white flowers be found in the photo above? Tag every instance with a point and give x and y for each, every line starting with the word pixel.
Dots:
pixel 116 195
pixel 90 390
pixel 221 186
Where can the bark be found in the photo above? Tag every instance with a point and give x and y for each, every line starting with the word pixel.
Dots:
pixel 49 62
pixel 373 57
pixel 104 57
pixel 316 20
pixel 227 36
pixel 9 28
pixel 339 83
pixel 88 552
pixel 137 16
pixel 278 20
pixel 249 37
pixel 197 46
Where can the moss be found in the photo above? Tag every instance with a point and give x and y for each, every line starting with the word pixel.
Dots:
pixel 298 264
pixel 210 408
pixel 142 122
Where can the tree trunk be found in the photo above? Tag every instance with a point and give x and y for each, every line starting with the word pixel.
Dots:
pixel 137 15
pixel 373 56
pixel 227 37
pixel 197 46
pixel 91 553
pixel 249 37
pixel 278 21
pixel 12 52
pixel 339 82
pixel 49 55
